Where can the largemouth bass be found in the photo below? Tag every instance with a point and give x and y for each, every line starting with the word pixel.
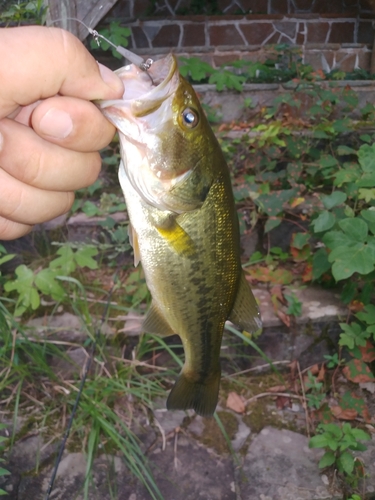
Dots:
pixel 184 225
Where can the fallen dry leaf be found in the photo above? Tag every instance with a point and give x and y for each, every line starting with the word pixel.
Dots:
pixel 314 369
pixel 368 352
pixel 321 374
pixel 235 403
pixel 357 371
pixel 348 414
pixel 356 306
pixel 285 318
pixel 282 402
pixel 277 388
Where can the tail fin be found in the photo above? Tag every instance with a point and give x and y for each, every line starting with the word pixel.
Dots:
pixel 199 396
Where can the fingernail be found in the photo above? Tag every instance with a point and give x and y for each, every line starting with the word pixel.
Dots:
pixel 56 123
pixel 111 79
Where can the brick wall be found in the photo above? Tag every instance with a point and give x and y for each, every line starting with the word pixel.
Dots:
pixel 332 33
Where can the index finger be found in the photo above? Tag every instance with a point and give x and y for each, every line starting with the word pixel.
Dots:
pixel 39 62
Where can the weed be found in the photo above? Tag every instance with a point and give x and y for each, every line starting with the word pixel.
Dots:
pixel 338 443
pixel 117 34
pixel 3 472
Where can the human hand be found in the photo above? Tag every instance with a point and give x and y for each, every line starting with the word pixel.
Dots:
pixel 50 132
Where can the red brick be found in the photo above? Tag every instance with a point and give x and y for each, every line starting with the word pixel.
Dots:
pixel 168 36
pixel 365 32
pixel 364 60
pixel 303 5
pixel 140 38
pixel 251 6
pixel 332 6
pixel 314 59
pixel 141 7
pixel 346 62
pixel 225 59
pixel 342 33
pixel 256 33
pixel 279 7
pixel 275 38
pixel 224 35
pixel 193 35
pixel 317 32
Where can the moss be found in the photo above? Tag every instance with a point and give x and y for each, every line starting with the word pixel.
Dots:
pixel 212 437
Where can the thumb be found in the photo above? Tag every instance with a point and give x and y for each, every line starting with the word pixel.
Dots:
pixel 39 62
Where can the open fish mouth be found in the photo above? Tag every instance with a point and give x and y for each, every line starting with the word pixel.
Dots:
pixel 145 91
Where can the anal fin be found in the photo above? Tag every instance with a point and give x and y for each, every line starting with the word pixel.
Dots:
pixel 155 323
pixel 245 313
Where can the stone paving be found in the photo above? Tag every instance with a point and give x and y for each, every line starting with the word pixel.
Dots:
pixel 271 465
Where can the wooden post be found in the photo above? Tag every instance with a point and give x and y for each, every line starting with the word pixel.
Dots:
pixel 90 12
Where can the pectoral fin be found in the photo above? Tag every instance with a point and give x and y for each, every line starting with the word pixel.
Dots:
pixel 155 323
pixel 133 240
pixel 177 237
pixel 245 313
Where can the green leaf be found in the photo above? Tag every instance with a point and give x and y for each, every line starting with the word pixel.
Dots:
pixel 352 335
pixel 318 441
pixel 300 240
pixel 225 78
pixel 24 280
pixel 328 161
pixel 361 435
pixel 334 199
pixel 345 462
pixel 45 280
pixel 271 223
pixel 369 214
pixel 90 209
pixel 333 429
pixel 327 459
pixel 349 291
pixel 348 174
pixel 334 239
pixel 367 315
pixel 345 150
pixel 355 228
pixel 347 261
pixel 324 221
pixel 272 204
pixel 65 264
pixel 198 69
pixel 84 257
pixel 366 157
pixel 4 472
pixel 6 258
pixel 321 263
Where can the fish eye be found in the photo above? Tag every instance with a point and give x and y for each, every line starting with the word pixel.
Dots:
pixel 190 118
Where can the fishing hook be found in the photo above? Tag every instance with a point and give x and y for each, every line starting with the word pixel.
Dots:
pixel 144 65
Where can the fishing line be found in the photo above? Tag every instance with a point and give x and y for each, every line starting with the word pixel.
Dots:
pixel 76 403
pixel 144 65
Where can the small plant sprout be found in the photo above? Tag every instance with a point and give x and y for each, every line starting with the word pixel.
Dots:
pixel 339 443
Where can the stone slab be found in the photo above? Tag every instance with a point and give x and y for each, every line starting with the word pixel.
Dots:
pixel 280 466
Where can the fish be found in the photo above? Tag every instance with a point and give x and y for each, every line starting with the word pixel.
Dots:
pixel 184 226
